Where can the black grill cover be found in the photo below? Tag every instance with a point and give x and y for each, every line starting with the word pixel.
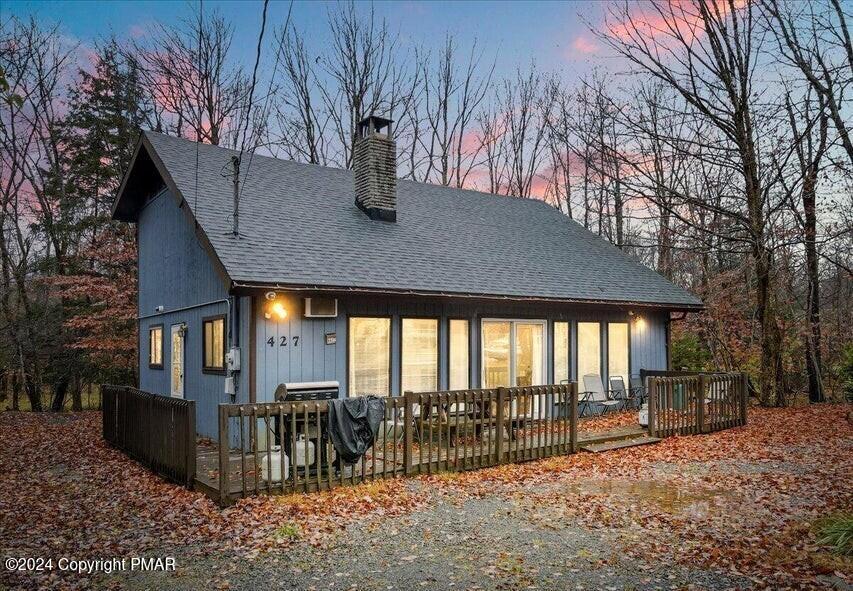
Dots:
pixel 353 425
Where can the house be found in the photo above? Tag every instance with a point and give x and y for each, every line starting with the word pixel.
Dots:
pixel 303 273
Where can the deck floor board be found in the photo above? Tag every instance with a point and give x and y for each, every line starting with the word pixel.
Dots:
pixel 465 457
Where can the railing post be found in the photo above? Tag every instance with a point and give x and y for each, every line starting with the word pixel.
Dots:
pixel 224 459
pixel 408 431
pixel 744 396
pixel 191 450
pixel 700 403
pixel 499 425
pixel 573 418
pixel 652 396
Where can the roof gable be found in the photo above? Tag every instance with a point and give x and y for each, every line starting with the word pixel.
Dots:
pixel 299 226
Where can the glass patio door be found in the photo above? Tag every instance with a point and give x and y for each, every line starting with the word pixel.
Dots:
pixel 513 353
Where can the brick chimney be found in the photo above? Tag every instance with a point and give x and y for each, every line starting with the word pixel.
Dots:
pixel 375 167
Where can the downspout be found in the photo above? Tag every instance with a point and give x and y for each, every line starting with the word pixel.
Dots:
pixel 234 341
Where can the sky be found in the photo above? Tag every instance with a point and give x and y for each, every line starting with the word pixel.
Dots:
pixel 552 34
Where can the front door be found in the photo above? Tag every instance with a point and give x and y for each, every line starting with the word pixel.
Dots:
pixel 178 331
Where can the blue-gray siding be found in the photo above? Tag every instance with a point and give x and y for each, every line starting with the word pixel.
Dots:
pixel 175 272
pixel 311 359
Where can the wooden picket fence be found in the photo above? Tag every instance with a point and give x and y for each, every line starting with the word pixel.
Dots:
pixel 157 431
pixel 694 404
pixel 421 433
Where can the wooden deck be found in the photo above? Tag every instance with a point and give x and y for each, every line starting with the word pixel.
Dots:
pixel 388 464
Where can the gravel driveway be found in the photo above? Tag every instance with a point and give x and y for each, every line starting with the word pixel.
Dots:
pixel 493 542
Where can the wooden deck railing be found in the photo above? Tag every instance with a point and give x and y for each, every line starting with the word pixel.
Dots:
pixel 157 431
pixel 421 433
pixel 693 404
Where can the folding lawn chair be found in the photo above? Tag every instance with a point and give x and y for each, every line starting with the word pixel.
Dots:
pixel 595 397
pixel 619 392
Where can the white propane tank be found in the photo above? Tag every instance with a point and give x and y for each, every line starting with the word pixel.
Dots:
pixel 300 451
pixel 644 415
pixel 274 457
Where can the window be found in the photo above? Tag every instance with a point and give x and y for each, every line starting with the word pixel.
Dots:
pixel 561 352
pixel 459 367
pixel 419 355
pixel 513 353
pixel 589 349
pixel 213 344
pixel 617 351
pixel 496 336
pixel 369 342
pixel 155 346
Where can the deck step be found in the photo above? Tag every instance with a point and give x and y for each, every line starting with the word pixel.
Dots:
pixel 611 445
pixel 617 434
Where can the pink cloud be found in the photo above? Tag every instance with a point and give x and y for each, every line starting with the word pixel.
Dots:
pixel 584 45
pixel 678 18
pixel 137 31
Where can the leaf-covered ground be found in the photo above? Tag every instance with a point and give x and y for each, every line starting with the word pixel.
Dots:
pixel 731 509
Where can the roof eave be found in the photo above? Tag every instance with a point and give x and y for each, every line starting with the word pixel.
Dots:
pixel 122 189
pixel 250 286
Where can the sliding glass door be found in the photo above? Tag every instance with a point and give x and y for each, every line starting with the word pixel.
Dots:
pixel 513 353
pixel 497 361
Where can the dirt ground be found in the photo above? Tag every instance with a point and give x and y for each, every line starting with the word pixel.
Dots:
pixel 734 509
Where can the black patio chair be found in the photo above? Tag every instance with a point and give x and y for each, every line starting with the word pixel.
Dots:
pixel 617 388
pixel 638 390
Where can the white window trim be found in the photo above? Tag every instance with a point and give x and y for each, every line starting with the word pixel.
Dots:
pixel 513 321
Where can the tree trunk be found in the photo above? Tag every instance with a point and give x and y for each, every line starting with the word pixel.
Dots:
pixel 60 391
pixel 771 359
pixel 813 337
pixel 77 395
pixel 664 244
pixel 16 391
pixel 34 394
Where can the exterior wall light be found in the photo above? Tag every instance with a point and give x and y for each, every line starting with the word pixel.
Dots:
pixel 275 310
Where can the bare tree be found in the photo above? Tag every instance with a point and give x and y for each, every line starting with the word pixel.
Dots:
pixel 515 133
pixel 36 211
pixel 199 91
pixel 707 51
pixel 814 38
pixel 302 121
pixel 808 121
pixel 449 95
pixel 562 145
pixel 364 64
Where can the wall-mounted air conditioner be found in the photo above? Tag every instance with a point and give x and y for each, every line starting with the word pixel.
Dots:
pixel 321 307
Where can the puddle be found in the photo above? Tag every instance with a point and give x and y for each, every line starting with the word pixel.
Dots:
pixel 666 497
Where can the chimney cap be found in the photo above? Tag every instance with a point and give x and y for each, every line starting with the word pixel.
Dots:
pixel 373 124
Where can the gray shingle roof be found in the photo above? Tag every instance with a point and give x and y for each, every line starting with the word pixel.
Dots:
pixel 299 226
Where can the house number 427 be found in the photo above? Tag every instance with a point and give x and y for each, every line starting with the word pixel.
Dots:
pixel 283 341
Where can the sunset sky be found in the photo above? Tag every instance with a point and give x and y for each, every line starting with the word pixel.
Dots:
pixel 550 33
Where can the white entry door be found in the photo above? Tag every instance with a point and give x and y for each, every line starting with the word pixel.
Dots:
pixel 178 332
